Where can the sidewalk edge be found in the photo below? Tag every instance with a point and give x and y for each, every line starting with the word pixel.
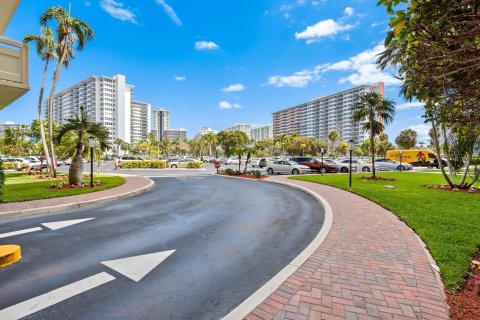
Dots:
pixel 268 288
pixel 8 215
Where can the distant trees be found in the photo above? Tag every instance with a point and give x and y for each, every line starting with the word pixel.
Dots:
pixel 407 139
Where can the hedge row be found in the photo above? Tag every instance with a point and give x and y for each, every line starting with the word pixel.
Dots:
pixel 10 165
pixel 145 164
pixel 195 165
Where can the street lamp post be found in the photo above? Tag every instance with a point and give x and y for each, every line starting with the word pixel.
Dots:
pixel 350 147
pixel 91 144
pixel 401 158
pixel 322 151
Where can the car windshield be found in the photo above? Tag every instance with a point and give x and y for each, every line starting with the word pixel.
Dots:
pixel 293 163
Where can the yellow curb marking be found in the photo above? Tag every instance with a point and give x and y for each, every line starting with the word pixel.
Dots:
pixel 9 254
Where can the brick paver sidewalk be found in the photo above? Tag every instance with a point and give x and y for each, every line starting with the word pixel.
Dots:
pixel 132 185
pixel 370 266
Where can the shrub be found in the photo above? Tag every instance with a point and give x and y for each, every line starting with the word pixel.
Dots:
pixel 145 164
pixel 10 165
pixel 195 165
pixel 2 180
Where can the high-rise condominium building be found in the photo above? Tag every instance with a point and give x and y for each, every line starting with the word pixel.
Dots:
pixel 205 131
pixel 240 127
pixel 262 133
pixel 176 134
pixel 320 116
pixel 11 125
pixel 109 101
pixel 160 122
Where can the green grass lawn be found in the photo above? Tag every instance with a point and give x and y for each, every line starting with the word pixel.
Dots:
pixel 21 187
pixel 448 222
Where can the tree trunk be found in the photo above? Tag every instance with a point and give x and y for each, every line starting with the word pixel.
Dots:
pixel 246 162
pixel 465 173
pixel 239 162
pixel 40 120
pixel 451 170
pixel 75 173
pixel 437 150
pixel 372 148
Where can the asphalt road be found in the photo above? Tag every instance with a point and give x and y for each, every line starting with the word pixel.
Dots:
pixel 230 236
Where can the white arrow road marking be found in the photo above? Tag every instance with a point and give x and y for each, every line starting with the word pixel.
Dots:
pixel 63 224
pixel 14 233
pixel 48 299
pixel 138 267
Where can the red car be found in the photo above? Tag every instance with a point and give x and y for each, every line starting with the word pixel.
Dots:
pixel 315 164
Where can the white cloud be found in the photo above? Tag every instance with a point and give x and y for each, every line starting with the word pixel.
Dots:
pixel 227 105
pixel 234 88
pixel 323 28
pixel 170 12
pixel 206 45
pixel 348 11
pixel 116 10
pixel 362 65
pixel 409 105
pixel 180 78
pixel 422 130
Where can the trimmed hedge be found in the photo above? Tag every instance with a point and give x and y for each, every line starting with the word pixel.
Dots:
pixel 10 165
pixel 145 164
pixel 195 165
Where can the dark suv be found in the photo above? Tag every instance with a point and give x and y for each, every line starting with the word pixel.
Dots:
pixel 315 164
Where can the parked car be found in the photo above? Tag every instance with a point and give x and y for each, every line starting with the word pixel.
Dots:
pixel 36 165
pixel 180 163
pixel 255 162
pixel 67 162
pixel 342 167
pixel 287 167
pixel 360 165
pixel 315 164
pixel 387 164
pixel 129 158
pixel 231 161
pixel 262 163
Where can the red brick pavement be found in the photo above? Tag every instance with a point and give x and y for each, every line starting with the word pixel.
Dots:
pixel 370 266
pixel 132 184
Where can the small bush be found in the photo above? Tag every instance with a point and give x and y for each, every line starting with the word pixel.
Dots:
pixel 10 165
pixel 195 165
pixel 146 164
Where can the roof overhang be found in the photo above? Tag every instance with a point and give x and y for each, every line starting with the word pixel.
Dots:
pixel 7 10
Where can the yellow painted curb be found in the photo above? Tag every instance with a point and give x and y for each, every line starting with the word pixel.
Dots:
pixel 9 254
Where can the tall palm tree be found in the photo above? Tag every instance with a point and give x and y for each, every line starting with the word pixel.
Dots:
pixel 47 50
pixel 71 31
pixel 83 128
pixel 377 112
pixel 283 139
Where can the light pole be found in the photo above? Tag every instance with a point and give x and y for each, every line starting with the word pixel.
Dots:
pixel 350 147
pixel 91 144
pixel 401 158
pixel 322 151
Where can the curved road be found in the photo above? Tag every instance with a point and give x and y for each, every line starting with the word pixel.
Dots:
pixel 230 236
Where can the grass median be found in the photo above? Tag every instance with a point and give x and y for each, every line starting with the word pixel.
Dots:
pixel 20 186
pixel 448 222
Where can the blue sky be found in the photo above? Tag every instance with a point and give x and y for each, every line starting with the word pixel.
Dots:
pixel 216 62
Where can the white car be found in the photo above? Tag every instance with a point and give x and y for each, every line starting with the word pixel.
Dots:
pixel 255 162
pixel 181 163
pixel 387 164
pixel 342 167
pixel 232 161
pixel 360 165
pixel 287 167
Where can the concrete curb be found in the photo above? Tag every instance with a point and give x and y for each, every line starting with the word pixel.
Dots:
pixel 74 205
pixel 268 288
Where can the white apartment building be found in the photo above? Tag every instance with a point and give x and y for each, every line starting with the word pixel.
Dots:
pixel 176 134
pixel 262 133
pixel 109 101
pixel 240 127
pixel 160 122
pixel 320 116
pixel 205 131
pixel 11 125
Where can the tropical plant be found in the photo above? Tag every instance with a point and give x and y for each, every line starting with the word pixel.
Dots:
pixel 342 148
pixel 407 139
pixel 251 150
pixel 47 48
pixel 333 137
pixel 211 140
pixel 83 128
pixel 377 111
pixel 283 141
pixel 71 32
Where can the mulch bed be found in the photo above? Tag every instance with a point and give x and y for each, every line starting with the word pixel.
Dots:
pixel 377 178
pixel 247 176
pixel 465 304
pixel 448 188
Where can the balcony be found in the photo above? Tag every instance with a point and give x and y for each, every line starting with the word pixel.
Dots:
pixel 13 71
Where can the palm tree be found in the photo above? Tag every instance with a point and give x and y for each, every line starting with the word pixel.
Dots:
pixel 211 140
pixel 47 50
pixel 70 30
pixel 83 128
pixel 377 112
pixel 333 137
pixel 283 140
